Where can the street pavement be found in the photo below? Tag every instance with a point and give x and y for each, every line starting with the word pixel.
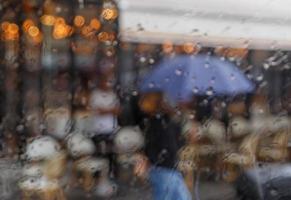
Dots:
pixel 207 191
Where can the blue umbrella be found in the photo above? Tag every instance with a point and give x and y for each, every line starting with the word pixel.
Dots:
pixel 183 77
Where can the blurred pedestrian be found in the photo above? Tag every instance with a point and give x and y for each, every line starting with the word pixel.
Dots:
pixel 104 107
pixel 162 136
pixel 167 184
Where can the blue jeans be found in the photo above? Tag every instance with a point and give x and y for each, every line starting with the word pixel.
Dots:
pixel 168 184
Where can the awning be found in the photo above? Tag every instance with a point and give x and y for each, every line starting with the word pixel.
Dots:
pixel 260 24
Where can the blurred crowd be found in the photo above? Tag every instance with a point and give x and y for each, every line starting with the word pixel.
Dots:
pixel 92 148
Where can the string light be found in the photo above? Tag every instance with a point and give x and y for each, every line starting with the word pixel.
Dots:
pixel 27 24
pixel 189 48
pixel 48 20
pixel 103 36
pixel 87 31
pixel 33 31
pixel 109 13
pixel 60 20
pixel 168 47
pixel 11 31
pixel 4 25
pixel 95 24
pixel 79 21
pixel 60 31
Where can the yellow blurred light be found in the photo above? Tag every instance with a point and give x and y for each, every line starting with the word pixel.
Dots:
pixel 11 31
pixel 231 52
pixel 168 47
pixel 189 47
pixel 79 21
pixel 86 31
pixel 48 20
pixel 60 31
pixel 38 38
pixel 95 24
pixel 60 20
pixel 109 13
pixel 4 25
pixel 33 31
pixel 237 52
pixel 103 36
pixel 13 28
pixel 111 36
pixel 27 24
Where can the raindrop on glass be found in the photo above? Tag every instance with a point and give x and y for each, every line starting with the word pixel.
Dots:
pixel 266 66
pixel 151 85
pixel 134 93
pixel 151 61
pixel 167 80
pixel 250 76
pixel 232 77
pixel 191 116
pixel 223 104
pixel 205 102
pixel 231 58
pixel 260 77
pixel 142 59
pixel 178 72
pixel 212 81
pixel 20 128
pixel 195 90
pixel 209 92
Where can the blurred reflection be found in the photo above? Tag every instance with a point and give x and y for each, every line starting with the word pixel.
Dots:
pixel 75 122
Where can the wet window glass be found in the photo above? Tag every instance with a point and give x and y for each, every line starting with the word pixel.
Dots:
pixel 150 100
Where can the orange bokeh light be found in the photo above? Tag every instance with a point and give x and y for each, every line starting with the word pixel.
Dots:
pixel 11 31
pixel 48 20
pixel 103 36
pixel 60 20
pixel 79 21
pixel 111 36
pixel 109 13
pixel 168 47
pixel 27 24
pixel 190 47
pixel 33 31
pixel 95 24
pixel 13 28
pixel 60 31
pixel 38 38
pixel 87 31
pixel 4 25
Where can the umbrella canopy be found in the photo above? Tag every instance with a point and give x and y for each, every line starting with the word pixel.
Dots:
pixel 183 77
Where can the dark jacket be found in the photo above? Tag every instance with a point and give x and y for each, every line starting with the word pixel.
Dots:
pixel 162 137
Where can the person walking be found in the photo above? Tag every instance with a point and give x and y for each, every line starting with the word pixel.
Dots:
pixel 162 141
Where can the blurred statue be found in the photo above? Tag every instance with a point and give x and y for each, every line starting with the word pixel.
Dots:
pixel 238 127
pixel 244 158
pixel 128 141
pixel 275 147
pixel 46 164
pixel 215 131
pixel 88 171
pixel 188 154
pixel 260 114
pixel 58 122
